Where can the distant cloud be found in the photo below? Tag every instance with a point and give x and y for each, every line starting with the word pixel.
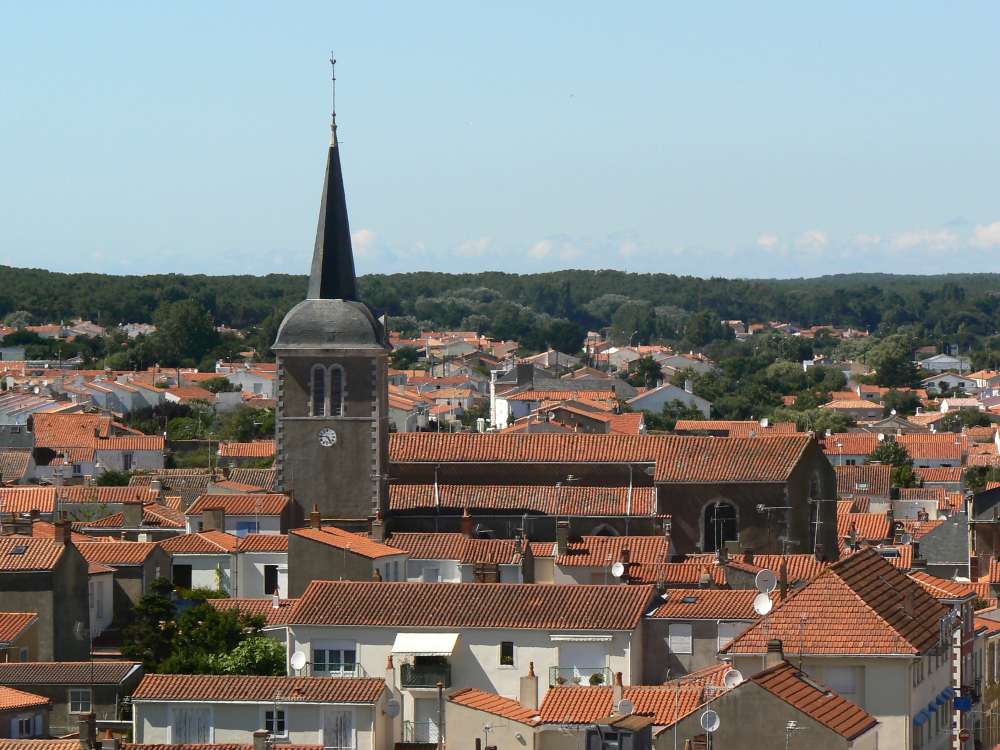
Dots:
pixel 986 235
pixel 814 239
pixel 930 239
pixel 365 243
pixel 767 241
pixel 866 240
pixel 541 249
pixel 474 248
pixel 561 247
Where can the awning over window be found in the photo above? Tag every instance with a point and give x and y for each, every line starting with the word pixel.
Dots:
pixel 581 637
pixel 425 644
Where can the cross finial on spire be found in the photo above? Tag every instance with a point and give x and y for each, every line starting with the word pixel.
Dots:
pixel 333 99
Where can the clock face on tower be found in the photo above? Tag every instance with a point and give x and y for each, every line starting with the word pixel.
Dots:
pixel 327 437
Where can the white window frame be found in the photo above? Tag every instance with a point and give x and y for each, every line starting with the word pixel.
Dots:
pixel 80 700
pixel 282 717
pixel 513 655
pixel 339 647
pixel 676 638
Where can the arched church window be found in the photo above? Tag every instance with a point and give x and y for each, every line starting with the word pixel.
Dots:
pixel 317 406
pixel 721 525
pixel 336 391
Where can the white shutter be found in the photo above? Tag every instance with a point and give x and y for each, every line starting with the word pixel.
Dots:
pixel 679 638
pixel 728 631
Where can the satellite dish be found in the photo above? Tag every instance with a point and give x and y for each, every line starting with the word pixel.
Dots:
pixel 765 581
pixel 392 708
pixel 618 569
pixel 732 678
pixel 298 660
pixel 625 707
pixel 762 604
pixel 709 721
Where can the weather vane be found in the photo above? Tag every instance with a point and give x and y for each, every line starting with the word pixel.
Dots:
pixel 333 96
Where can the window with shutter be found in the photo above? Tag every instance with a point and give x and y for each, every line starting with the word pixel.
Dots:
pixel 679 638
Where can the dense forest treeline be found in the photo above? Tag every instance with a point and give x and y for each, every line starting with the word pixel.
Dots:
pixel 539 309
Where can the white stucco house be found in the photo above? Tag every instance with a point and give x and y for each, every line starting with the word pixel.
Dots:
pixel 655 399
pixel 252 566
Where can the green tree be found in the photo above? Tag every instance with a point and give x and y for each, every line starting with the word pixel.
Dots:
pixel 901 402
pixel 892 453
pixel 956 420
pixel 184 333
pixel 149 636
pixel 113 479
pixel 646 372
pixel 219 385
pixel 667 418
pixel 17 319
pixel 255 654
pixel 245 423
pixel 202 634
pixel 634 322
pixel 893 362
pixel 404 358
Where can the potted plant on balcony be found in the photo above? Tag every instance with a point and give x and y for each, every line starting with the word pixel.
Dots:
pixel 597 679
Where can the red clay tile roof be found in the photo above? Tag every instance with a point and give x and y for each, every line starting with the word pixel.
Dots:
pixel 130 494
pixel 706 604
pixel 13 624
pixel 27 498
pixel 587 704
pixel 869 527
pixel 472 605
pixel 256 688
pixel 491 703
pixel 94 569
pixel 241 504
pixel 800 567
pixel 89 431
pixel 39 744
pixel 945 446
pixel 65 672
pixel 860 605
pixel 116 553
pixel 46 530
pixel 13 465
pixel 255 449
pixel 175 479
pixel 264 543
pixel 817 701
pixel 920 529
pixel 262 478
pixel 678 459
pixel 259 607
pixel 196 746
pixel 922 493
pixel 543 395
pixel 678 574
pixel 733 427
pixel 201 543
pixel 595 551
pixel 627 424
pixel 850 403
pixel 22 553
pixel 159 516
pixel 943 589
pixel 356 543
pixel 12 700
pixel 952 474
pixel 873 480
pixel 450 546
pixel 851 443
pixel 570 500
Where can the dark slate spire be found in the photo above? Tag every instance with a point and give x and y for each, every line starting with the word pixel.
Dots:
pixel 332 274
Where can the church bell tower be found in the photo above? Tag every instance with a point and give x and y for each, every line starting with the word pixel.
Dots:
pixel 332 419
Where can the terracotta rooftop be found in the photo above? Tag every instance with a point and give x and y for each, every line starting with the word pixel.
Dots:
pixel 21 553
pixel 256 688
pixel 356 543
pixel 116 552
pixel 491 703
pixel 254 449
pixel 90 431
pixel 452 546
pixel 800 567
pixel 248 504
pixel 587 704
pixel 596 551
pixel 258 607
pixel 472 605
pixel 943 589
pixel 872 480
pixel 262 478
pixel 153 515
pixel 815 700
pixel 940 474
pixel 12 700
pixel 201 543
pixel 561 395
pixel 847 404
pixel 13 624
pixel 27 498
pixel 13 465
pixel 65 672
pixel 868 527
pixel 734 428
pixel 678 459
pixel 39 744
pixel 569 500
pixel 851 443
pixel 175 479
pixel 264 543
pixel 706 604
pixel 97 494
pixel 860 605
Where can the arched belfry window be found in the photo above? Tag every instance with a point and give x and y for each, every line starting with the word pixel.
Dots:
pixel 721 525
pixel 317 406
pixel 336 391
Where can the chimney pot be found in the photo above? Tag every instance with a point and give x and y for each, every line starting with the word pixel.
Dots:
pixel 260 739
pixel 61 532
pixel 624 557
pixel 315 521
pixel 87 725
pixel 617 691
pixel 775 653
pixel 748 556
pixel 562 537
pixel 529 688
pixel 213 519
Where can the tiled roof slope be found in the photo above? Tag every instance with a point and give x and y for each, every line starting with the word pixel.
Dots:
pixel 860 605
pixel 39 744
pixel 65 672
pixel 868 479
pixel 591 551
pixel 175 479
pixel 831 710
pixel 259 607
pixel 706 604
pixel 241 504
pixel 678 459
pixel 555 501
pixel 491 703
pixel 255 449
pixel 472 605
pixel 12 624
pixel 356 543
pixel 13 465
pixel 201 543
pixel 22 553
pixel 12 700
pixel 221 688
pixel 586 704
pixel 117 553
pixel 25 499
pixel 451 546
pixel 263 478
pixel 95 494
pixel 942 588
pixel 159 516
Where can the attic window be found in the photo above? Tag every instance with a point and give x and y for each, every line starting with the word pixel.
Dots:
pixel 861 486
pixel 18 549
pixel 689 599
pixel 890 552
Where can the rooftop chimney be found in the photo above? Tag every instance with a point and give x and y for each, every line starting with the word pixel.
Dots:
pixel 624 556
pixel 378 528
pixel 775 653
pixel 260 739
pixel 376 575
pixel 213 519
pixel 87 724
pixel 617 691
pixel 562 537
pixel 529 688
pixel 62 533
pixel 390 673
pixel 315 521
pixel 156 485
pixel 748 556
pixel 468 525
pixel 109 741
pixel 132 515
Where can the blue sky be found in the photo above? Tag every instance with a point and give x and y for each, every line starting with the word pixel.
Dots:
pixel 737 139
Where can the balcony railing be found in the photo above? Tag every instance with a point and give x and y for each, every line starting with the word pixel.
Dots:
pixel 425 675
pixel 339 670
pixel 420 731
pixel 579 676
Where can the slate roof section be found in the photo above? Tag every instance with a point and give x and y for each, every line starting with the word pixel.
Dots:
pixel 491 703
pixel 815 700
pixel 256 688
pixel 248 504
pixel 13 700
pixel 472 605
pixel 860 605
pixel 356 543
pixel 19 554
pixel 947 541
pixel 13 624
pixel 570 500
pixel 66 672
pixel 678 459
